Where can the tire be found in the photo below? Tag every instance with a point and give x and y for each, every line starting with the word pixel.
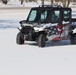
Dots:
pixel 73 39
pixel 41 40
pixel 19 38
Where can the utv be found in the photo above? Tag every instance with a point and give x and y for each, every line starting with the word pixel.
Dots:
pixel 47 23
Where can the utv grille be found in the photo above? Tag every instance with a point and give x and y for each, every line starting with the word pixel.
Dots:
pixel 27 30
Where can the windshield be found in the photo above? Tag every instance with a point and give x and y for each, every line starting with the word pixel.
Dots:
pixel 37 15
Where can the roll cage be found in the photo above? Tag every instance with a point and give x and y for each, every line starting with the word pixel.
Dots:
pixel 38 17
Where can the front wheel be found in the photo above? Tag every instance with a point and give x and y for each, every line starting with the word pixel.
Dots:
pixel 73 39
pixel 19 38
pixel 41 40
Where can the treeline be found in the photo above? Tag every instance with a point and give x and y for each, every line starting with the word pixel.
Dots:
pixel 65 3
pixel 4 1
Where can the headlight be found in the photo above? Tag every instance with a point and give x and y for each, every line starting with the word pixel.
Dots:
pixel 38 29
pixel 20 28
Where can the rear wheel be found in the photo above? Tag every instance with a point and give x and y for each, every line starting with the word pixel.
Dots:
pixel 73 39
pixel 20 38
pixel 41 40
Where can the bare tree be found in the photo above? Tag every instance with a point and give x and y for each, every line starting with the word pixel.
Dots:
pixel 64 2
pixel 5 1
pixel 52 1
pixel 42 2
pixel 68 2
pixel 22 2
pixel 27 1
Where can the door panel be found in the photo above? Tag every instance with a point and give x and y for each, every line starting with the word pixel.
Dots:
pixel 54 30
pixel 66 22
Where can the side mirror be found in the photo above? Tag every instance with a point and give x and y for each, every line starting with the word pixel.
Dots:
pixel 22 22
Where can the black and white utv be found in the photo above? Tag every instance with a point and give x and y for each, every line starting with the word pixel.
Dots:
pixel 47 23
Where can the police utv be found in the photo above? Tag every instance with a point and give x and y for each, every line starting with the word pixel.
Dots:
pixel 47 23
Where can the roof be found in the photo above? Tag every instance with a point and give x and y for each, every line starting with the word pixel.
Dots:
pixel 50 7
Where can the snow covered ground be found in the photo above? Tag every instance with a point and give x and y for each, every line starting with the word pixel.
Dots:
pixel 29 59
pixel 57 58
pixel 9 18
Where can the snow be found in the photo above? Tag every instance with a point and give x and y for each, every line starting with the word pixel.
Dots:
pixel 9 18
pixel 57 58
pixel 29 59
pixel 17 3
pixel 73 12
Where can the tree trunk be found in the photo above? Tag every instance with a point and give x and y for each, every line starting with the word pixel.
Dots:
pixel 22 2
pixel 64 3
pixel 68 3
pixel 42 2
pixel 52 2
pixel 4 1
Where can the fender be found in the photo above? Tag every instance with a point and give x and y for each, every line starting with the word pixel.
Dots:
pixel 74 31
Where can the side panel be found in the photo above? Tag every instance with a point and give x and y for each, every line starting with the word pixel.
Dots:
pixel 56 32
pixel 60 29
pixel 66 23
